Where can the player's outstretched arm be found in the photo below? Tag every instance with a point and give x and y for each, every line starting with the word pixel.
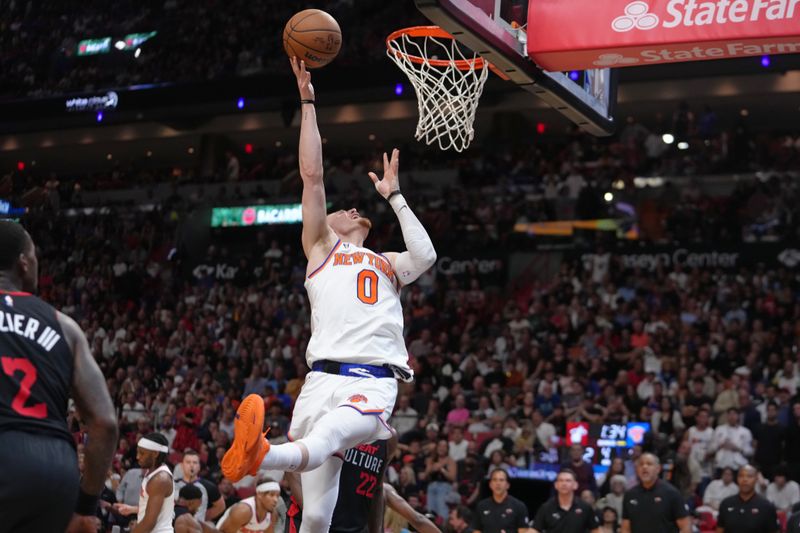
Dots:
pixel 97 413
pixel 420 254
pixel 315 226
pixel 397 504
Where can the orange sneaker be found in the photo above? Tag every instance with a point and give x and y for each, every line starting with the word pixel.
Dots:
pixel 249 444
pixel 258 457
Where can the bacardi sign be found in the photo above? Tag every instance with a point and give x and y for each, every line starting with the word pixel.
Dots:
pixel 584 34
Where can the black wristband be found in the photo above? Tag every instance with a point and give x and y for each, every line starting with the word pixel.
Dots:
pixel 393 193
pixel 87 504
pixel 307 101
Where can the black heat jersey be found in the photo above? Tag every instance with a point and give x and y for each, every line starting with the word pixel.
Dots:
pixel 36 366
pixel 362 474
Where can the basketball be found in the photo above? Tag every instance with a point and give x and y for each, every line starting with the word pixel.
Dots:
pixel 313 36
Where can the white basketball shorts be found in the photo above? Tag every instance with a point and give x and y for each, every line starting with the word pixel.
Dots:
pixel 323 392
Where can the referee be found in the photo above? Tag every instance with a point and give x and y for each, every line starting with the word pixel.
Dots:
pixel 564 513
pixel 747 512
pixel 653 506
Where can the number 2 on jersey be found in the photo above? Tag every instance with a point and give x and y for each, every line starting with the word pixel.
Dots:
pixel 12 365
pixel 367 284
pixel 367 485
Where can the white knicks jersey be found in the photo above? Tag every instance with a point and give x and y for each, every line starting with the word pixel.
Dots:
pixel 356 315
pixel 253 526
pixel 167 512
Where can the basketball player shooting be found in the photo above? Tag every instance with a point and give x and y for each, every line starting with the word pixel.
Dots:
pixel 356 352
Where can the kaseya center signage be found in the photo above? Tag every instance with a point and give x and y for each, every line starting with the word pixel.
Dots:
pixel 585 34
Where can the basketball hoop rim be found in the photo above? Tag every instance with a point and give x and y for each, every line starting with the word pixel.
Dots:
pixel 437 33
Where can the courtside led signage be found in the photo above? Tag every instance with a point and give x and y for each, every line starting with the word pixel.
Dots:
pixel 90 47
pixel 109 100
pixel 134 40
pixel 259 215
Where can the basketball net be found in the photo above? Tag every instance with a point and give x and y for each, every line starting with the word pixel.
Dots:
pixel 447 81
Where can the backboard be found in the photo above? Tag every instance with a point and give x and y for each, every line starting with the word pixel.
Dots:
pixel 498 30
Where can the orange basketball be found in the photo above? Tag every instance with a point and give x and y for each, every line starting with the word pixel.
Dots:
pixel 313 36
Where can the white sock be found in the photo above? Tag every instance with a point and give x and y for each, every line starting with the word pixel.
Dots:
pixel 336 431
pixel 283 457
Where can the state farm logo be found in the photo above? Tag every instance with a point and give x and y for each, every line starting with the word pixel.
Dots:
pixel 636 16
pixel 614 60
pixel 696 13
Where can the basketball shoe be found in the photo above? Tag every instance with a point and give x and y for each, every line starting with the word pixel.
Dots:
pixel 250 444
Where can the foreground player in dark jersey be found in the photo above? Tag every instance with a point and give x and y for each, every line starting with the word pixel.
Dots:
pixel 362 494
pixel 44 357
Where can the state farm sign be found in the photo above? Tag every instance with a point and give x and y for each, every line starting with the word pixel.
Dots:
pixel 585 34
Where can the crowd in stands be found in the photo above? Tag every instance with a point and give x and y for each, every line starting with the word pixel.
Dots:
pixel 550 180
pixel 39 41
pixel 708 357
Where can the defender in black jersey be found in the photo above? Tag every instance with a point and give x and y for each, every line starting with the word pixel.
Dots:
pixel 362 494
pixel 44 357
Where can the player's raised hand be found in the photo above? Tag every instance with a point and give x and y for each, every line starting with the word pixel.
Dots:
pixel 303 78
pixel 390 181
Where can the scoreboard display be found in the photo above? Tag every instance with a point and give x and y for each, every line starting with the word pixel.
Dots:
pixel 604 442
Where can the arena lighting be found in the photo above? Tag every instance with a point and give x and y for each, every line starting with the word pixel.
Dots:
pixel 574 75
pixel 668 138
pixel 99 116
pixel 765 61
pixel 137 53
pixel 398 89
pixel 240 103
pixel 119 45
pixel 248 148
pixel 608 197
pixel 683 145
